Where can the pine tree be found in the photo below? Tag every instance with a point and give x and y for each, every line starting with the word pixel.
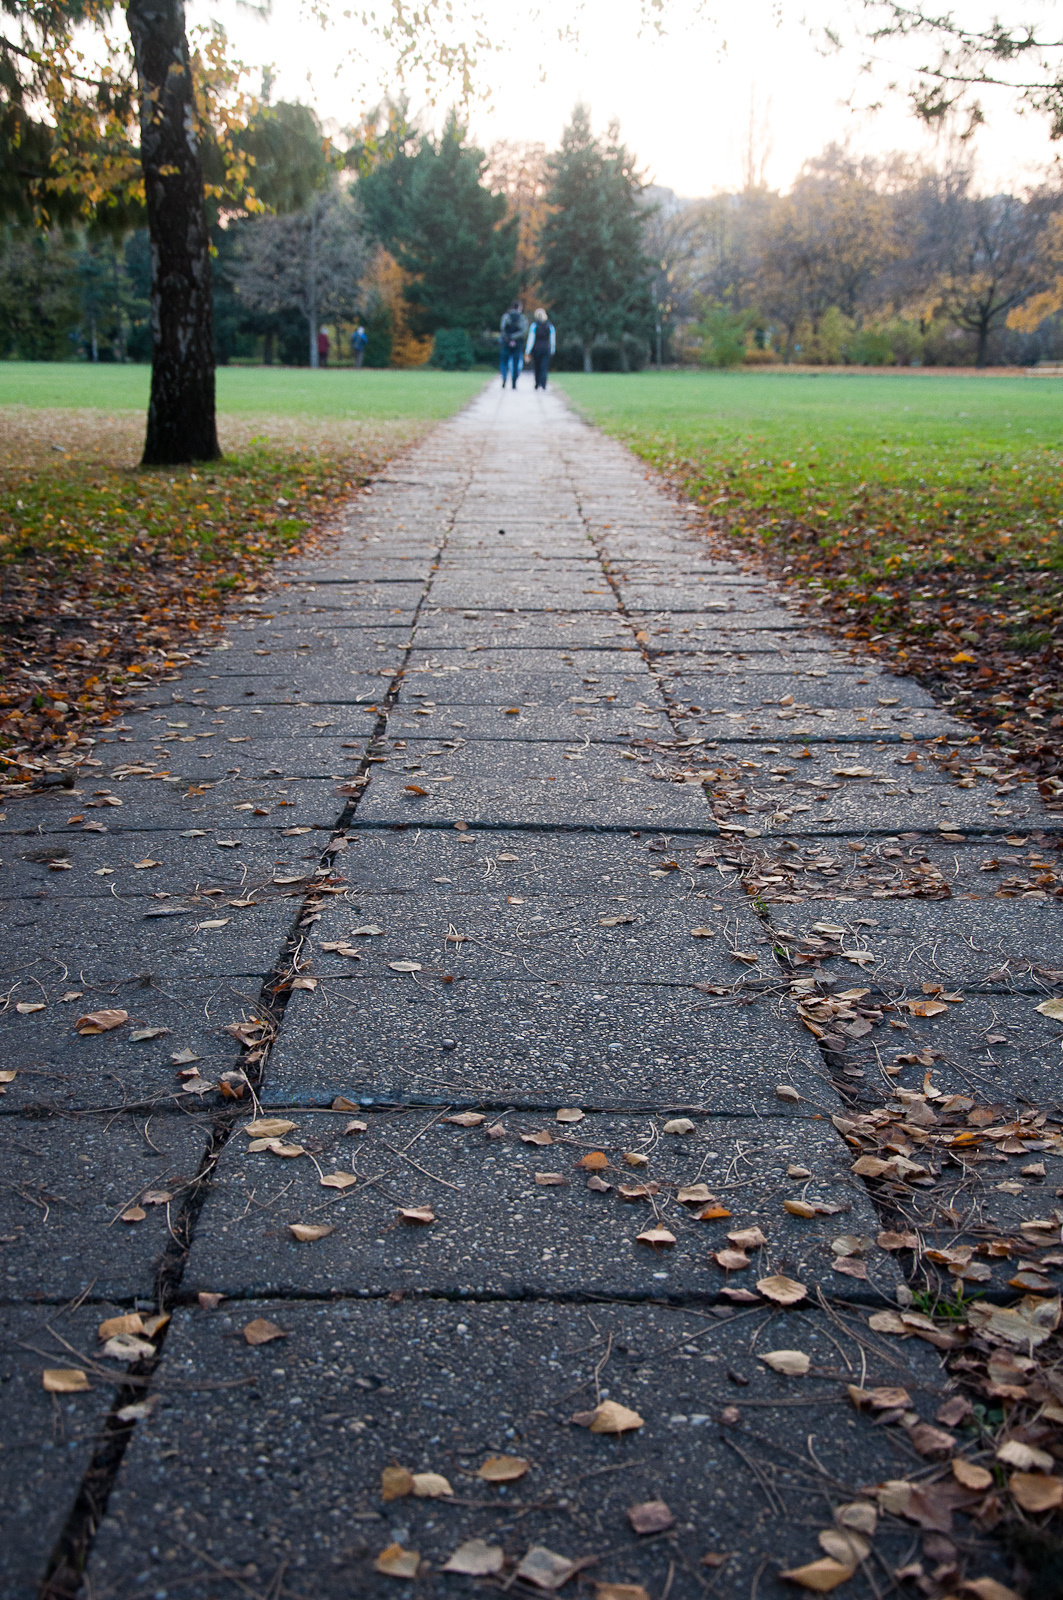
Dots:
pixel 595 276
pixel 446 230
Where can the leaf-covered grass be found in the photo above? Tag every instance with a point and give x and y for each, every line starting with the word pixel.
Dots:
pixel 368 396
pixel 925 513
pixel 108 571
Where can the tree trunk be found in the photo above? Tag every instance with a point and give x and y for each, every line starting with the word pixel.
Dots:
pixel 980 359
pixel 311 285
pixel 267 347
pixel 587 364
pixel 181 419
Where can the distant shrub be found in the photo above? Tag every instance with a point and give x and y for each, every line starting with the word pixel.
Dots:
pixel 452 350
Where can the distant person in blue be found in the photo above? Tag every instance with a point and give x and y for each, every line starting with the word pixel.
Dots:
pixel 359 340
pixel 511 343
pixel 542 342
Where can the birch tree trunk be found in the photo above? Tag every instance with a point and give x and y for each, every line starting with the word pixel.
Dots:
pixel 181 418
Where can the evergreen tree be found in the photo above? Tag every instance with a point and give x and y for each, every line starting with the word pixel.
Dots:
pixel 595 276
pixel 446 229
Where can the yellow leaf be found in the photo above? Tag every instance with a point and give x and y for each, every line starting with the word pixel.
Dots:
pixel 395 1483
pixel 430 1485
pixel 610 1417
pixel 64 1380
pixel 799 1208
pixel 503 1469
pixel 395 1562
pixel 821 1576
pixel 594 1161
pixel 961 655
pixel 620 1591
pixel 782 1290
pixel 132 1322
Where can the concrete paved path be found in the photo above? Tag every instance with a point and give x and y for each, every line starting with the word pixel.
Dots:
pixel 541 889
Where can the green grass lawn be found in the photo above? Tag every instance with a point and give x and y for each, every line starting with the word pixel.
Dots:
pixel 923 469
pixel 369 396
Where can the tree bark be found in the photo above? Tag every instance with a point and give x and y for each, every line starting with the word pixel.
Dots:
pixel 181 417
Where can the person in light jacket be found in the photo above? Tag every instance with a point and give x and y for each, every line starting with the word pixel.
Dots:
pixel 542 342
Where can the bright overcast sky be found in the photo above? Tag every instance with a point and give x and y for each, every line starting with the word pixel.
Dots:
pixel 683 100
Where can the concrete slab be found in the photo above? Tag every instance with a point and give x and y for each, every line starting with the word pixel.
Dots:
pixel 68 1181
pixel 535 1043
pixel 353 1388
pixel 536 802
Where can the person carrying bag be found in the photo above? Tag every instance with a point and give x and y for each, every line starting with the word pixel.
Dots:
pixel 542 342
pixel 511 343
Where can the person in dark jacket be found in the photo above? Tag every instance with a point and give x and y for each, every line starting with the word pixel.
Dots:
pixel 542 342
pixel 511 343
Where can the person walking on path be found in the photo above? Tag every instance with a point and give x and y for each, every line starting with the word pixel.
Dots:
pixel 359 340
pixel 542 342
pixel 322 348
pixel 511 343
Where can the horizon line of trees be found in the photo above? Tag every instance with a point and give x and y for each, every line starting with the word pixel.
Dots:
pixel 865 261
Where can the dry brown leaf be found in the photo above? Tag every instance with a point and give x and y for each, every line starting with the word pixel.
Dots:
pixel 652 1516
pixel 781 1290
pixel 1051 1008
pixel 598 1184
pixel 1035 1492
pixel 1026 1325
pixel 889 1240
pixel 925 1008
pixel 541 1136
pixel 24 1007
pixel 339 1180
pixel 620 1591
pixel 786 1091
pixel 405 966
pixel 731 1260
pixel 794 1363
pixel 267 1127
pixel 417 1214
pixel 395 1562
pixel 570 1114
pixel 1025 1457
pixel 846 1547
pixel 475 1559
pixel 131 1322
pixel 888 1322
pixel 851 1266
pixel 594 1161
pixel 713 1213
pixel 261 1331
pixel 544 1568
pixel 930 1441
pixel 656 1236
pixel 551 1180
pixel 431 1486
pixel 971 1476
pixel 610 1417
pixel 635 1158
pixel 503 1469
pixel 100 1021
pixel 694 1194
pixel 395 1483
pixel 134 1214
pixel 467 1119
pixel 747 1238
pixel 354 1126
pixel 821 1576
pixel 64 1380
pixel 859 1515
pixel 799 1208
pixel 987 1589
pixel 679 1125
pixel 307 1232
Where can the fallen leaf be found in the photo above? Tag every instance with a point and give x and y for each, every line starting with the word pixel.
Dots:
pixel 925 1008
pixel 417 1214
pixel 128 1347
pixel 304 983
pixel 1051 1008
pixel 405 966
pixel 988 1589
pixel 930 1441
pixel 821 1576
pixel 620 1591
pixel 134 1214
pixel 339 1180
pixel 731 1260
pixel 395 1562
pixel 430 1486
pixel 24 1007
pixel 100 1021
pixel 635 1158
pixel 747 1238
pixel 656 1236
pixel 551 1180
pixel 307 1232
pixel 897 1241
pixel 799 1208
pixel 596 1183
pixel 184 1058
pixel 860 1515
pixel 544 1568
pixel 703 933
pixel 1027 1324
pixel 208 1300
pixel 395 1482
pixel 713 1213
pixel 467 1119
pixel 845 1546
pixel 609 1417
pixel 782 1290
pixel 131 1322
pixel 354 1126
pixel 570 1114
pixel 652 1516
pixel 369 931
pixel 1034 1492
pixel 261 1331
pixel 882 1398
pixel 594 1161
pixel 475 1559
pixel 267 1127
pixel 542 1136
pixel 1025 1457
pixel 786 1091
pixel 147 1033
pixel 694 1194
pixel 503 1469
pixel 64 1380
pixel 794 1363
pixel 679 1125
